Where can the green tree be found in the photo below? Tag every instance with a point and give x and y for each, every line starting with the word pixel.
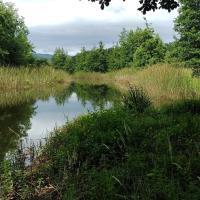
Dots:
pixel 62 60
pixel 59 58
pixel 150 52
pixel 15 49
pixel 115 59
pixel 173 53
pixel 81 60
pixel 97 59
pixel 69 64
pixel 187 25
pixel 130 41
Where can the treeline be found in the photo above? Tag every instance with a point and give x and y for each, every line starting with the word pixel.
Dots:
pixel 134 48
pixel 142 47
pixel 137 48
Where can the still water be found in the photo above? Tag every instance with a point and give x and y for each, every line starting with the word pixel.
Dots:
pixel 33 119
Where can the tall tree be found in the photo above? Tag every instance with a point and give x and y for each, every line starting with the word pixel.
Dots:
pixel 147 5
pixel 15 49
pixel 59 58
pixel 188 26
pixel 130 41
pixel 97 59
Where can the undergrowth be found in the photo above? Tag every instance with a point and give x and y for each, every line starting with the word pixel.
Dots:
pixel 114 154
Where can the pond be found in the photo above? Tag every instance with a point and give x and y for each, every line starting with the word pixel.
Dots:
pixel 32 118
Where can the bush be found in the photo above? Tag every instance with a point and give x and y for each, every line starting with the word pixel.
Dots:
pixel 112 154
pixel 150 52
pixel 136 100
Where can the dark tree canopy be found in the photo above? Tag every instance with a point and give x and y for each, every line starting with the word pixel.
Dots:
pixel 15 48
pixel 147 5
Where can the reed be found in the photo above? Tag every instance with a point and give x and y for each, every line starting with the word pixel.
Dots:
pixel 163 82
pixel 22 78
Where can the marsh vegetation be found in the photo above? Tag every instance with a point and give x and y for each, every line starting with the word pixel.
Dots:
pixel 130 151
pixel 107 123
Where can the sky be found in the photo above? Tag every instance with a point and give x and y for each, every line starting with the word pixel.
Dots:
pixel 72 24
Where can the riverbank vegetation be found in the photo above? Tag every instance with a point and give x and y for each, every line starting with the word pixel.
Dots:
pixel 164 83
pixel 132 151
pixel 141 47
pixel 24 78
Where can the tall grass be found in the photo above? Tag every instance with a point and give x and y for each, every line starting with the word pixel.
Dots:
pixel 22 78
pixel 162 82
pixel 168 83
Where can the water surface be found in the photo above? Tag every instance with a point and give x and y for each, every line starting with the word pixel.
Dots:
pixel 32 119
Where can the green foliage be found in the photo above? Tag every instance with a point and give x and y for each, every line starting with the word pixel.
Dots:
pixel 38 62
pixel 15 49
pixel 115 59
pixel 144 156
pixel 140 47
pixel 5 178
pixel 69 64
pixel 114 154
pixel 173 51
pixel 61 60
pixel 187 25
pixel 94 60
pixel 130 41
pixel 150 52
pixel 81 60
pixel 136 100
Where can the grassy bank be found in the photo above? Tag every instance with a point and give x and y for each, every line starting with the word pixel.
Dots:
pixel 24 78
pixel 163 83
pixel 133 151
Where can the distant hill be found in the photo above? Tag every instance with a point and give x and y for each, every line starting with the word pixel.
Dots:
pixel 40 55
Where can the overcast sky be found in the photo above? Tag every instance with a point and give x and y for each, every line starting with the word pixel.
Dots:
pixel 72 24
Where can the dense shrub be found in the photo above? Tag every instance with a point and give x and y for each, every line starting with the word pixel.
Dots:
pixel 150 52
pixel 114 154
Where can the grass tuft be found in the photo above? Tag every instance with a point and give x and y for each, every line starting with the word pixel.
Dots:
pixel 136 100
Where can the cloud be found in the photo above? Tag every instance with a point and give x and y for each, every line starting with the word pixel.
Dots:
pixel 73 36
pixel 72 24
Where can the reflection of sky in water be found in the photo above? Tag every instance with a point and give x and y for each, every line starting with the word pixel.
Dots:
pixel 50 115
